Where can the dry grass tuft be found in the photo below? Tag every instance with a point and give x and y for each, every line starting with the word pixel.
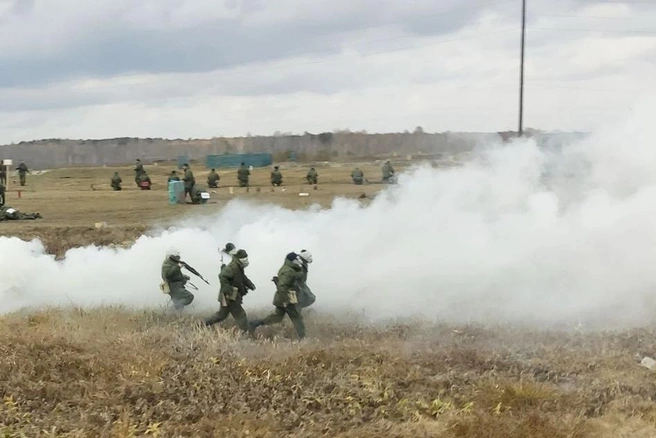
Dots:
pixel 117 372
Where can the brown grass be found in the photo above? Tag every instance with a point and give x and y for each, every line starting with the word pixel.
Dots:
pixel 116 372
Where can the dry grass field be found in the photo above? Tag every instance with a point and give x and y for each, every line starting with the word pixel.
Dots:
pixel 114 372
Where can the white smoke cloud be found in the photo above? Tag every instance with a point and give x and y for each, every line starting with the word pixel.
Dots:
pixel 519 234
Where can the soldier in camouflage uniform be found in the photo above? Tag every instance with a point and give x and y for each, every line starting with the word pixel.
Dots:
pixel 189 180
pixel 388 173
pixel 358 176
pixel 312 176
pixel 243 175
pixel 138 171
pixel 173 176
pixel 213 179
pixel 3 173
pixel 175 280
pixel 196 194
pixel 3 189
pixel 144 182
pixel 11 214
pixel 234 286
pixel 285 299
pixel 22 172
pixel 116 182
pixel 276 177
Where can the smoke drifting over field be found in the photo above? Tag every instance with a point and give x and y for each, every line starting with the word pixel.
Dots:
pixel 519 234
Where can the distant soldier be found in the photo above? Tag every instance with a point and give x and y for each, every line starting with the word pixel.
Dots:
pixel 3 173
pixel 144 181
pixel 198 194
pixel 22 172
pixel 305 296
pixel 11 214
pixel 189 180
pixel 3 189
pixel 138 171
pixel 312 176
pixel 285 300
pixel 276 177
pixel 213 179
pixel 234 286
pixel 358 176
pixel 388 173
pixel 174 281
pixel 243 175
pixel 173 176
pixel 116 182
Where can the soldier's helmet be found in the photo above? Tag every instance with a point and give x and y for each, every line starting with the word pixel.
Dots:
pixel 229 249
pixel 173 254
pixel 306 256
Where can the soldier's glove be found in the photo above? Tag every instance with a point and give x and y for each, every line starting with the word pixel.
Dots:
pixel 186 277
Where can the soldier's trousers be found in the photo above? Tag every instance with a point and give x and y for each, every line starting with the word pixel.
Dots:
pixel 280 312
pixel 243 183
pixel 22 178
pixel 231 308
pixel 182 298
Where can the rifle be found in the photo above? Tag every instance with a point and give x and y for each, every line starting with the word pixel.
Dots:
pixel 192 270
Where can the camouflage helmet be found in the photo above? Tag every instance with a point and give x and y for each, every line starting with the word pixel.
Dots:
pixel 229 249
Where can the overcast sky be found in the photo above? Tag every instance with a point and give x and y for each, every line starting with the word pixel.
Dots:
pixel 204 68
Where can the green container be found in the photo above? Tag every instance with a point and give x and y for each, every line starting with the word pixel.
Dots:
pixel 176 192
pixel 235 160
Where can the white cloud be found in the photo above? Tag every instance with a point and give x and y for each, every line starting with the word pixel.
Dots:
pixel 159 68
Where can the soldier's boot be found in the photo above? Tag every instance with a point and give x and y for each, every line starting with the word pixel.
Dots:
pixel 218 317
pixel 254 324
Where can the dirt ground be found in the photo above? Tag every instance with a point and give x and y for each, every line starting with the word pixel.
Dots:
pixel 114 372
pixel 73 200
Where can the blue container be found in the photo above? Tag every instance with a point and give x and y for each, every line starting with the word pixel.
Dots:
pixel 235 160
pixel 176 192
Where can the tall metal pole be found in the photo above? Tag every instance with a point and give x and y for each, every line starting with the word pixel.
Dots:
pixel 521 73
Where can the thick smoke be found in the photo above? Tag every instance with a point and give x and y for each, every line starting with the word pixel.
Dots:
pixel 519 234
